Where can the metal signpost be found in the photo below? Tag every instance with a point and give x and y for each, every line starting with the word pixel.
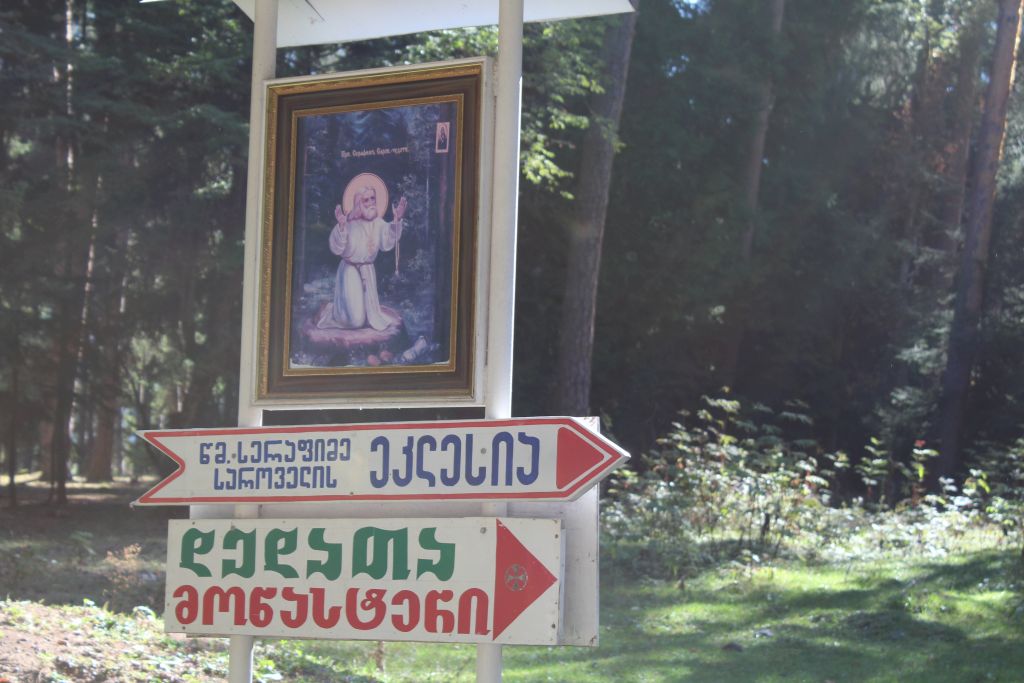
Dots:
pixel 482 532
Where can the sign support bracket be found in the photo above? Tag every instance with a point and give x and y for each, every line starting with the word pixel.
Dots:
pixel 503 249
pixel 264 67
pixel 504 215
pixel 503 260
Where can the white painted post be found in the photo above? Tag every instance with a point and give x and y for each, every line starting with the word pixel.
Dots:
pixel 264 66
pixel 240 647
pixel 504 213
pixel 264 56
pixel 504 210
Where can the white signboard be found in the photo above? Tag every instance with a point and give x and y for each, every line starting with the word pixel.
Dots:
pixel 538 459
pixel 468 579
pixel 314 22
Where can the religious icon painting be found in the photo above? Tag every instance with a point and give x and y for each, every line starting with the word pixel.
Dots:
pixel 443 130
pixel 370 236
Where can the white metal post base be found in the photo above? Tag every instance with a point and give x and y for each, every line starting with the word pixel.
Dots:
pixel 264 66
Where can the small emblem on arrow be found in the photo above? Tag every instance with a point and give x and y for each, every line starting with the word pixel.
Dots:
pixel 516 577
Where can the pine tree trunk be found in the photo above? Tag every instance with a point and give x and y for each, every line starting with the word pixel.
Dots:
pixel 107 393
pixel 921 134
pixel 751 184
pixel 45 437
pixel 102 454
pixel 963 109
pixel 12 425
pixel 963 336
pixel 69 346
pixel 587 222
pixel 755 155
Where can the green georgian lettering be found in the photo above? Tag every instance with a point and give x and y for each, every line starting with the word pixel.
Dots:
pixel 280 542
pixel 195 542
pixel 247 567
pixel 330 567
pixel 444 567
pixel 385 543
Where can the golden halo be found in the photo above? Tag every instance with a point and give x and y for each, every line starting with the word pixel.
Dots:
pixel 371 180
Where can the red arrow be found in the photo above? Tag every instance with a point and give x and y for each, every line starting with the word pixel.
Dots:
pixel 575 456
pixel 519 579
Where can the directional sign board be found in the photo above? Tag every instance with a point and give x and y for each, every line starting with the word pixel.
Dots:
pixel 541 459
pixel 468 579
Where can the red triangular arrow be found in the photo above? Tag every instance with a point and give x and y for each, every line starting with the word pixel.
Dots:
pixel 519 579
pixel 575 456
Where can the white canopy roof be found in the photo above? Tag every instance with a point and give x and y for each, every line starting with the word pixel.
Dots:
pixel 316 22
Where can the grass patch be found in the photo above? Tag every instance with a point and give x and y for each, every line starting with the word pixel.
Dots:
pixel 95 548
pixel 896 615
pixel 899 620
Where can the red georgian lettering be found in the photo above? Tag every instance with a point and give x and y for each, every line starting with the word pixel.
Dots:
pixel 215 595
pixel 412 611
pixel 434 613
pixel 187 610
pixel 260 613
pixel 324 620
pixel 373 602
pixel 298 617
pixel 466 601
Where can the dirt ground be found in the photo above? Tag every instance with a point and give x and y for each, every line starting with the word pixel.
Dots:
pixel 81 587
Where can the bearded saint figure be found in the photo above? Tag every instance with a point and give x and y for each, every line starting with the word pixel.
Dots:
pixel 357 238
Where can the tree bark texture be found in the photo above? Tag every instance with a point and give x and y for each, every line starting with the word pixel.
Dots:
pixel 964 333
pixel 107 390
pixel 924 129
pixel 12 427
pixel 77 244
pixel 755 156
pixel 587 223
pixel 751 188
pixel 69 344
pixel 962 112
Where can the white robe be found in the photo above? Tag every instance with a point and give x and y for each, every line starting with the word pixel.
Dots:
pixel 356 303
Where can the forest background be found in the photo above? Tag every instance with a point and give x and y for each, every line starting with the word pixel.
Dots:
pixel 795 219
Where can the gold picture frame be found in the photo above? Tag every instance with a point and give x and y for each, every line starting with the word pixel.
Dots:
pixel 368 264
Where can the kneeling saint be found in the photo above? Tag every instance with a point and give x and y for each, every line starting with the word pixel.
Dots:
pixel 357 238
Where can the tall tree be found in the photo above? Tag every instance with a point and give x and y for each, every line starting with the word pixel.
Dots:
pixel 586 222
pixel 80 183
pixel 963 336
pixel 962 114
pixel 12 426
pixel 750 187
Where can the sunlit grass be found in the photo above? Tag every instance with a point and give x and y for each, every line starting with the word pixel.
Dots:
pixel 950 615
pixel 899 620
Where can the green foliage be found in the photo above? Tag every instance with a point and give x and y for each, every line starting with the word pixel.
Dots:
pixel 82 542
pixel 561 65
pixel 845 303
pixel 888 480
pixel 731 480
pixel 742 485
pixel 892 596
pixel 124 182
pixel 997 484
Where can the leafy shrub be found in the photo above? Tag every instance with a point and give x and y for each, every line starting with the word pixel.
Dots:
pixel 997 482
pixel 729 482
pixel 746 485
pixel 131 585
